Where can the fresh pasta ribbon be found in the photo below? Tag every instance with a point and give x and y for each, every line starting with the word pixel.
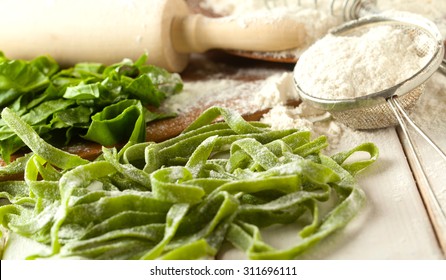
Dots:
pixel 182 198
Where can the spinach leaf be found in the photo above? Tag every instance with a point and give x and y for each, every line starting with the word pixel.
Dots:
pixel 83 99
pixel 18 78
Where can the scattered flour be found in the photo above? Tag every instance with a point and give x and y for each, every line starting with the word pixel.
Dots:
pixel 242 96
pixel 435 10
pixel 273 91
pixel 430 115
pixel 236 7
pixel 430 108
pixel 340 67
pixel 307 118
pixel 276 90
pixel 282 117
pixel 315 20
pixel 95 186
pixel 232 7
pixel 245 97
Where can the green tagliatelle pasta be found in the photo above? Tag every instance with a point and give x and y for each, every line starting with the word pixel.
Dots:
pixel 184 197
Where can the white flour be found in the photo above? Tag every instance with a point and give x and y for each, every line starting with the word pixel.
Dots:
pixel 429 114
pixel 429 111
pixel 232 7
pixel 306 118
pixel 435 10
pixel 340 67
pixel 247 97
pixel 242 96
pixel 276 90
pixel 273 91
pixel 236 7
pixel 316 22
pixel 202 94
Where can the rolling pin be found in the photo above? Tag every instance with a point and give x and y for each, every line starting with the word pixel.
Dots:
pixel 107 31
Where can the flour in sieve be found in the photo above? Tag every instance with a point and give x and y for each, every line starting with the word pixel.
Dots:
pixel 340 67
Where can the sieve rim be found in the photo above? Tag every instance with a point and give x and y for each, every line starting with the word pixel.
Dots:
pixel 406 86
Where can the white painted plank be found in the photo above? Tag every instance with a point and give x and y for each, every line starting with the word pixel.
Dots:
pixel 430 115
pixel 394 224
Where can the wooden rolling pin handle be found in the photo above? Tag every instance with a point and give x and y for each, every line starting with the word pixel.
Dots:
pixel 197 33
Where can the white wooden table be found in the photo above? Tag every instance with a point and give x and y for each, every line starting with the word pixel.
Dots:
pixel 395 223
pixel 430 115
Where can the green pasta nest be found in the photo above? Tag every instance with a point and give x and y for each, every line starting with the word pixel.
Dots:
pixel 216 183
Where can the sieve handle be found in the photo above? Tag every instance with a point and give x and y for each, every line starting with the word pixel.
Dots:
pixel 436 212
pixel 442 67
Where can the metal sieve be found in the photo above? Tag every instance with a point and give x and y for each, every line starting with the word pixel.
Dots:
pixel 346 9
pixel 374 109
pixel 389 107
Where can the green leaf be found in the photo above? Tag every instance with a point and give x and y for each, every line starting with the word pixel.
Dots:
pixel 118 123
pixel 58 157
pixel 73 117
pixel 89 69
pixel 19 77
pixel 52 99
pixel 46 65
pixel 143 89
pixel 45 110
pixel 82 91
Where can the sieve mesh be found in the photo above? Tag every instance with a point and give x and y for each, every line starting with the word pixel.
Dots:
pixel 379 115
